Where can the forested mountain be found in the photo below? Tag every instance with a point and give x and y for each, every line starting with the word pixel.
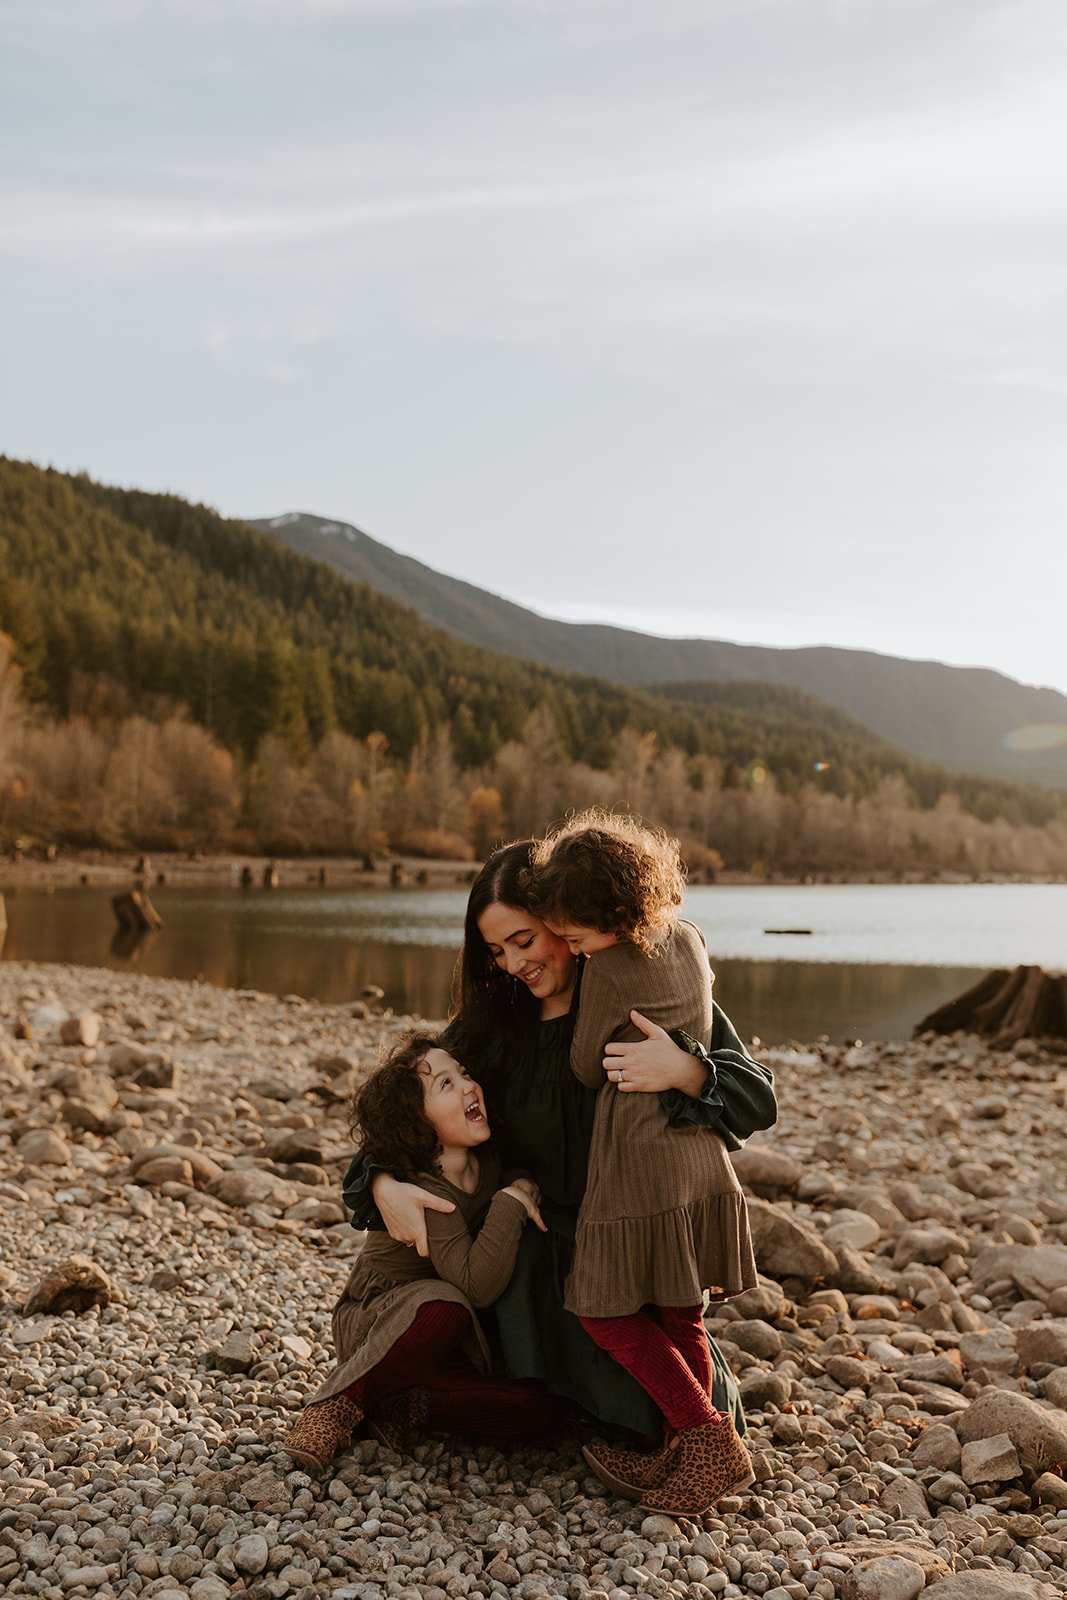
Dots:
pixel 968 719
pixel 133 601
pixel 195 677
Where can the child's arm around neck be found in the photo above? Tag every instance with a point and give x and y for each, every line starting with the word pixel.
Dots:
pixel 671 986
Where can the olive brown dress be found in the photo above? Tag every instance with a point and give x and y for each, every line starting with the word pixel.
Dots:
pixel 663 1218
pixel 472 1256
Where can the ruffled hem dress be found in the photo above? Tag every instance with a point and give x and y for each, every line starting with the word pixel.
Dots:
pixel 663 1220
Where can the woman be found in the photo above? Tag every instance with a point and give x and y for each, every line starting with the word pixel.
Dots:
pixel 517 1003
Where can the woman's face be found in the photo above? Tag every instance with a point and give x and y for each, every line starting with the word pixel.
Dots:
pixel 521 945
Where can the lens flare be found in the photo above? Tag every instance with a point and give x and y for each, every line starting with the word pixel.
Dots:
pixel 1036 736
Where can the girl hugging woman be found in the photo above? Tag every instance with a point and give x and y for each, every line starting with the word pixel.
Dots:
pixel 663 1218
pixel 410 1348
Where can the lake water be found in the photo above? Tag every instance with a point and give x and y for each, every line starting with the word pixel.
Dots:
pixel 875 960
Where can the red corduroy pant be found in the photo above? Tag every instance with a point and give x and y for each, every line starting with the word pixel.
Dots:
pixel 665 1349
pixel 461 1399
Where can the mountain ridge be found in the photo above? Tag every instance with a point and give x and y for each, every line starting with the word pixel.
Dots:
pixel 172 675
pixel 961 717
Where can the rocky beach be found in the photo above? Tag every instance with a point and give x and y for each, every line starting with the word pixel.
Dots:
pixel 172 1241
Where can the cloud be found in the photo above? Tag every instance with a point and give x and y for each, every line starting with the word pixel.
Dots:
pixel 789 271
pixel 88 15
pixel 120 223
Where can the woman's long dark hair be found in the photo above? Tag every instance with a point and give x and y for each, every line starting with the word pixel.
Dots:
pixel 493 1008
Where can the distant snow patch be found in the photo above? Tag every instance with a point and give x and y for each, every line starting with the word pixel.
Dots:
pixel 284 519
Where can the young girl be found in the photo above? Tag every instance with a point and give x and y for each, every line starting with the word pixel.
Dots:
pixel 663 1217
pixel 402 1319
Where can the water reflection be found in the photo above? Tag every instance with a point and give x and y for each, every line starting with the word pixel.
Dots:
pixel 329 944
pixel 799 1000
pixel 129 944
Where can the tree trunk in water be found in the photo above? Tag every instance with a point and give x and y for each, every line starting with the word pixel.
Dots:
pixel 135 910
pixel 1006 1007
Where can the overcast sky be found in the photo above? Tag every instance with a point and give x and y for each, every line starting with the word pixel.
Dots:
pixel 736 318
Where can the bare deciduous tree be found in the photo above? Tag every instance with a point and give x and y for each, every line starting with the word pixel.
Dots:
pixel 11 709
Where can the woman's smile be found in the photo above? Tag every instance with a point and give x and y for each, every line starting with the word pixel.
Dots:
pixel 520 945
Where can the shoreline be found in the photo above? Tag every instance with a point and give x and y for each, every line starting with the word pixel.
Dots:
pixel 910 1212
pixel 101 869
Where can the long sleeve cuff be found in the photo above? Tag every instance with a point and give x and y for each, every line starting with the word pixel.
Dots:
pixel 738 1096
pixel 356 1190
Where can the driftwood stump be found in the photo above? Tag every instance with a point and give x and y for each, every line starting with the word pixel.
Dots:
pixel 1027 1003
pixel 136 911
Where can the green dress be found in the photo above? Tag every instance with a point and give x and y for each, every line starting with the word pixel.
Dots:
pixel 542 1119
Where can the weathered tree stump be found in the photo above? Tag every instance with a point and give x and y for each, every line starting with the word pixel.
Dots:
pixel 1027 1003
pixel 127 943
pixel 135 910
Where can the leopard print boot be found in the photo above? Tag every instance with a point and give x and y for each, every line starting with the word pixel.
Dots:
pixel 398 1416
pixel 628 1472
pixel 702 1465
pixel 320 1431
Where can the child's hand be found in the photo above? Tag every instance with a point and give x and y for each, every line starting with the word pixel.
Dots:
pixel 528 1187
pixel 526 1190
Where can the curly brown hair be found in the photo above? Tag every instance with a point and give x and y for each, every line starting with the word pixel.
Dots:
pixel 388 1112
pixel 610 872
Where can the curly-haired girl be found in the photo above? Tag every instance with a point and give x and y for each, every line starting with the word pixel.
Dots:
pixel 663 1218
pixel 402 1319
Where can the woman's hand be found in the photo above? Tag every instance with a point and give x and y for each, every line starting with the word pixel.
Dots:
pixel 653 1063
pixel 403 1208
pixel 525 1190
